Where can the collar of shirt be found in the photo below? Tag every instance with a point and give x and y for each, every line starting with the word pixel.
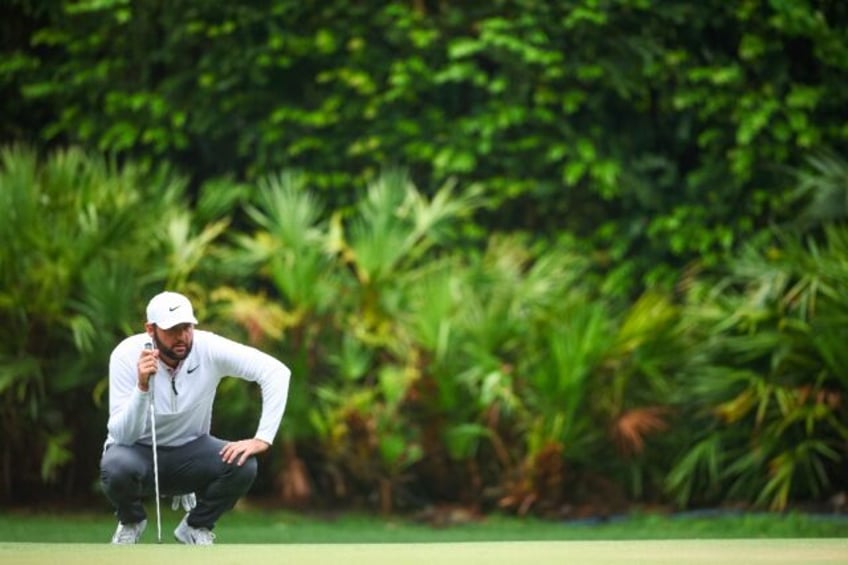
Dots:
pixel 176 369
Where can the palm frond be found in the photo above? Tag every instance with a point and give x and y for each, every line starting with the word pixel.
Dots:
pixel 823 188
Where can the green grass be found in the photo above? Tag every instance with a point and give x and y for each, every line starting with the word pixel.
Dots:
pixel 274 527
pixel 259 537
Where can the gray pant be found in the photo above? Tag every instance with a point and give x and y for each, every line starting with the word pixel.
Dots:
pixel 126 474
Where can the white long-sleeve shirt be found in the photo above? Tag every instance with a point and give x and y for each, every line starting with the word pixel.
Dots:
pixel 184 396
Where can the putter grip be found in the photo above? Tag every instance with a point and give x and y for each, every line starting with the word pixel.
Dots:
pixel 149 347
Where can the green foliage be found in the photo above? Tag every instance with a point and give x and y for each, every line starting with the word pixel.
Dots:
pixel 357 180
pixel 340 279
pixel 822 190
pixel 79 235
pixel 507 370
pixel 764 386
pixel 660 132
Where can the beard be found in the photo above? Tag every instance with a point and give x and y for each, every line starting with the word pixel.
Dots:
pixel 170 353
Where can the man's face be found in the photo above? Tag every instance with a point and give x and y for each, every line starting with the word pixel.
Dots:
pixel 174 343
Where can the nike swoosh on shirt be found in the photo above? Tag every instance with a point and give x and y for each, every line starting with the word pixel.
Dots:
pixel 193 369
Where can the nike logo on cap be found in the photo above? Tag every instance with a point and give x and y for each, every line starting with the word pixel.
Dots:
pixel 172 308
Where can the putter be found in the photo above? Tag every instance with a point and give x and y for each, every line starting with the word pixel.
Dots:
pixel 155 458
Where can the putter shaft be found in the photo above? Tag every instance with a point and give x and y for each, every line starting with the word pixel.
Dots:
pixel 155 456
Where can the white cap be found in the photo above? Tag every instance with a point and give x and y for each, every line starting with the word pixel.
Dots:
pixel 167 309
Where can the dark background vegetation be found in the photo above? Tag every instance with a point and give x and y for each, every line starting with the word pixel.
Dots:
pixel 542 257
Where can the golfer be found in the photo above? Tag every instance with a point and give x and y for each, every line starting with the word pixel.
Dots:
pixel 179 375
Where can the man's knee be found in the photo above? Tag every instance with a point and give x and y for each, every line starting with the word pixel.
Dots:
pixel 120 465
pixel 245 474
pixel 250 468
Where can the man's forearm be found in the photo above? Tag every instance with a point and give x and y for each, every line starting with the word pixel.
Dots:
pixel 127 425
pixel 275 393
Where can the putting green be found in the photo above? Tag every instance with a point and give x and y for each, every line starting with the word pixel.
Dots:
pixel 694 552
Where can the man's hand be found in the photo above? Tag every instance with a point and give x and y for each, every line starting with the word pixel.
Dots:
pixel 148 364
pixel 239 451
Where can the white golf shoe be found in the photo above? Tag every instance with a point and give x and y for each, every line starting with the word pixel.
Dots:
pixel 129 533
pixel 193 536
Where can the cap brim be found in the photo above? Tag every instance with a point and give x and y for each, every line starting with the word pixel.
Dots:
pixel 169 322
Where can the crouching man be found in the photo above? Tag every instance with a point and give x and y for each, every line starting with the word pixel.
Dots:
pixel 176 377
